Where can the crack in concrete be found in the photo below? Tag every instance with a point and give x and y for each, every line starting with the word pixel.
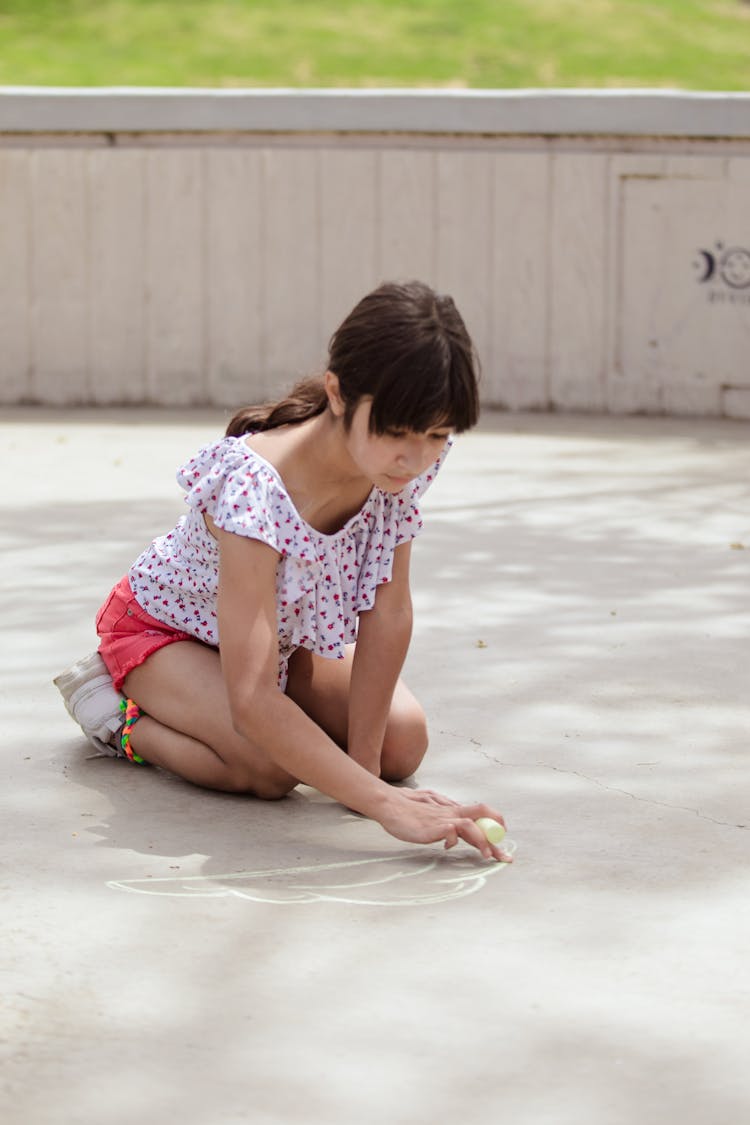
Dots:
pixel 643 800
pixel 595 781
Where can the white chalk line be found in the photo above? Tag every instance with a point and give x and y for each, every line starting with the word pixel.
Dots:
pixel 438 879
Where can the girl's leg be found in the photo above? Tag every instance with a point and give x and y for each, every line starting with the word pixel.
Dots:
pixel 189 731
pixel 321 688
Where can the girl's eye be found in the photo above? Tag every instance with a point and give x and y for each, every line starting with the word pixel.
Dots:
pixel 436 437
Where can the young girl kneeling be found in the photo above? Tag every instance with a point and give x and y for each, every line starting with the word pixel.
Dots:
pixel 264 635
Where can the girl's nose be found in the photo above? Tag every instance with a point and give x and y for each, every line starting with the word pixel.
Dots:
pixel 411 457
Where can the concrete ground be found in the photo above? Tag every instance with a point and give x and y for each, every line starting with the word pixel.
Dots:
pixel 171 955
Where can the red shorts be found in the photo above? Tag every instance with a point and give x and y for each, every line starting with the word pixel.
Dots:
pixel 128 635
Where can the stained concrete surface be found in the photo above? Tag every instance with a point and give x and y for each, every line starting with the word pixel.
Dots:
pixel 173 955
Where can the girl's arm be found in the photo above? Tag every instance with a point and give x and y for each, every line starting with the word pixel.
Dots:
pixel 260 711
pixel 269 719
pixel 382 643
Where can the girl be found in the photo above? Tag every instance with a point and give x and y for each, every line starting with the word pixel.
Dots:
pixel 259 643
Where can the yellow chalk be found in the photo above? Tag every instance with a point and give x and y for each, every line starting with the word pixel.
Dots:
pixel 492 829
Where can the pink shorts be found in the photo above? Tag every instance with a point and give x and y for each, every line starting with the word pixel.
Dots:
pixel 128 635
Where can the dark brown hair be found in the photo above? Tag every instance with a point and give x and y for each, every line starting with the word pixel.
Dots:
pixel 404 346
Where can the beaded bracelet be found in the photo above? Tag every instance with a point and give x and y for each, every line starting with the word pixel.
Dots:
pixel 132 713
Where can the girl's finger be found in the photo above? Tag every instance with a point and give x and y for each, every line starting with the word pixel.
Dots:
pixel 469 831
pixel 466 830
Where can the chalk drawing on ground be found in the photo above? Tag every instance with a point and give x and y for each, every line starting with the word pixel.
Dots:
pixel 393 880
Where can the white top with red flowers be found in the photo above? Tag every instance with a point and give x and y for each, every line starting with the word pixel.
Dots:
pixel 322 581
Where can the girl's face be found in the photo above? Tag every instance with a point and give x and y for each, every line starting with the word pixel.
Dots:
pixel 393 459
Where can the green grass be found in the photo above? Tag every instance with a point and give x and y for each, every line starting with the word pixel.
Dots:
pixel 689 44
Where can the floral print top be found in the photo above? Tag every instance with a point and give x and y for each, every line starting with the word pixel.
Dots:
pixel 322 581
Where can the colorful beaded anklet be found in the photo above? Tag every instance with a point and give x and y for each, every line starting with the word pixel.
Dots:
pixel 132 713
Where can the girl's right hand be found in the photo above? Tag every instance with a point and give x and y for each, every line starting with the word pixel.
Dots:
pixel 426 823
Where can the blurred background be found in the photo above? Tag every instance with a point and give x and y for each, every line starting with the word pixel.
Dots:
pixel 576 173
pixel 688 44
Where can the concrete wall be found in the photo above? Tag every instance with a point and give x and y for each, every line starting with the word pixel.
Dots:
pixel 199 247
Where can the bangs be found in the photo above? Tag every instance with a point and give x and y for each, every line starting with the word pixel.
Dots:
pixel 422 396
pixel 407 349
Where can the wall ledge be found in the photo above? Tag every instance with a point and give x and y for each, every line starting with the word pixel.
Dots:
pixel 579 112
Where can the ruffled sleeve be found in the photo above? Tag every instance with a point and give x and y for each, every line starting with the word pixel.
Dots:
pixel 243 494
pixel 419 486
pixel 388 521
pixel 405 516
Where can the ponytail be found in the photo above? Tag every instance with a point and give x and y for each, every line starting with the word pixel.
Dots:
pixel 305 400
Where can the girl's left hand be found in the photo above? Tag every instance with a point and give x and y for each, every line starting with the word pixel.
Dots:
pixel 408 817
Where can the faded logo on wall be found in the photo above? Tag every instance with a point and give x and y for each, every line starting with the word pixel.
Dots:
pixel 725 271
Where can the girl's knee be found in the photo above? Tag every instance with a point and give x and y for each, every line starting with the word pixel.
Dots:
pixel 405 744
pixel 271 789
pixel 266 784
